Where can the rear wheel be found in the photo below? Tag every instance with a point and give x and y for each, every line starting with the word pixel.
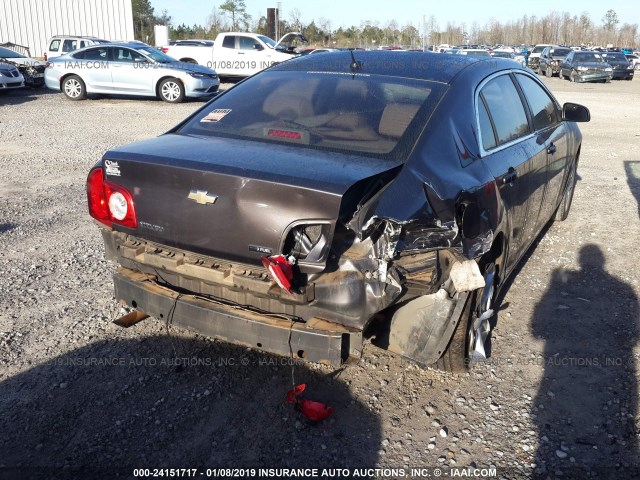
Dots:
pixel 74 88
pixel 572 77
pixel 565 204
pixel 548 72
pixel 458 356
pixel 171 90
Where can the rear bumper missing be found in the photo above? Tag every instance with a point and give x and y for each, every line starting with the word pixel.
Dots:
pixel 316 340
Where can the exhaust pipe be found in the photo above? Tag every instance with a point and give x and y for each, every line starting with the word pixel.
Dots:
pixel 130 318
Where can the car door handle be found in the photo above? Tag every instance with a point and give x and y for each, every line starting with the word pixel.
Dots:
pixel 510 176
pixel 552 149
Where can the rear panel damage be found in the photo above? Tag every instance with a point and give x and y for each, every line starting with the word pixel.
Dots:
pixel 413 274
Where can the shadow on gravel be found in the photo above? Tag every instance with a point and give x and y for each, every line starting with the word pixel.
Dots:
pixel 113 406
pixel 6 227
pixel 632 169
pixel 23 95
pixel 587 402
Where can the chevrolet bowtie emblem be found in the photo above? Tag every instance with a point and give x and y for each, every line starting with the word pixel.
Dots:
pixel 202 197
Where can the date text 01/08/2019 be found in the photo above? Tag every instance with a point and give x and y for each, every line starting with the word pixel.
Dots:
pixel 316 472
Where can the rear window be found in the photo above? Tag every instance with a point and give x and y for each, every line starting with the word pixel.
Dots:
pixel 381 116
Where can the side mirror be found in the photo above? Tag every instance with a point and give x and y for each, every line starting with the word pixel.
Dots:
pixel 257 46
pixel 572 112
pixel 139 60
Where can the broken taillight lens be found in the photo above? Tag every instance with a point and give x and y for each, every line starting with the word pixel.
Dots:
pixel 281 271
pixel 110 203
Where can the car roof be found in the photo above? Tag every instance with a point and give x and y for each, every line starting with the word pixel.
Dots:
pixel 418 65
pixel 85 37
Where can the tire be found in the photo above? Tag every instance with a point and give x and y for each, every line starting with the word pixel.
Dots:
pixel 457 356
pixel 171 90
pixel 548 73
pixel 188 60
pixel 608 80
pixel 565 204
pixel 73 87
pixel 572 77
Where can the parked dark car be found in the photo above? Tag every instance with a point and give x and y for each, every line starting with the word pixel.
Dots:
pixel 551 58
pixel 622 68
pixel 586 67
pixel 333 193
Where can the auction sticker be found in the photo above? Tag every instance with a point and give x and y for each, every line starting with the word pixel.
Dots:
pixel 216 115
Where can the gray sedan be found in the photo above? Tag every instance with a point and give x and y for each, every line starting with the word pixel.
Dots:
pixel 131 68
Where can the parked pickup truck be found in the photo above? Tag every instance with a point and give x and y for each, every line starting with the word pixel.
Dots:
pixel 236 54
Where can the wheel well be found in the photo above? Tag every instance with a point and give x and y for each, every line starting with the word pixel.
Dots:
pixel 64 77
pixel 163 79
pixel 188 60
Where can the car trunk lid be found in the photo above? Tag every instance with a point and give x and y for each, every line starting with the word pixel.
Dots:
pixel 235 199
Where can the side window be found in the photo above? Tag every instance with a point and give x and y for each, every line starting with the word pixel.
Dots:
pixel 69 46
pixel 100 54
pixel 247 43
pixel 125 55
pixel 486 128
pixel 505 109
pixel 55 45
pixel 229 41
pixel 542 105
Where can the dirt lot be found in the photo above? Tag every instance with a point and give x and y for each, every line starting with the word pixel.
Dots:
pixel 558 396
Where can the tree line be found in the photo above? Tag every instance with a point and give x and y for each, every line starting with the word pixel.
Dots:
pixel 555 28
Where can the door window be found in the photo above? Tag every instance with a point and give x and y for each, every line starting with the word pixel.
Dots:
pixel 505 109
pixel 229 41
pixel 55 45
pixel 125 55
pixel 543 108
pixel 69 46
pixel 247 43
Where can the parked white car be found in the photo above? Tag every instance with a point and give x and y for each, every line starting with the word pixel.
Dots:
pixel 32 70
pixel 62 44
pixel 10 78
pixel 237 54
pixel 128 68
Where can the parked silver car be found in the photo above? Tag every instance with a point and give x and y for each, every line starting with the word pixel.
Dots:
pixel 128 68
pixel 10 77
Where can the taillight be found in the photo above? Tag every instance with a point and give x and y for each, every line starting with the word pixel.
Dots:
pixel 45 57
pixel 165 49
pixel 110 203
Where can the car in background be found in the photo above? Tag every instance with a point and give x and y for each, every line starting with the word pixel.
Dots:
pixel 475 52
pixel 62 44
pixel 534 57
pixel 503 54
pixel 10 77
pixel 634 59
pixel 32 70
pixel 452 51
pixel 622 68
pixel 128 68
pixel 296 209
pixel 551 58
pixel 192 43
pixel 586 67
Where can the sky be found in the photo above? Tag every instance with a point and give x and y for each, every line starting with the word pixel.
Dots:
pixel 353 12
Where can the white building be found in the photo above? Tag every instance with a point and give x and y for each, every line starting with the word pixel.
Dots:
pixel 32 22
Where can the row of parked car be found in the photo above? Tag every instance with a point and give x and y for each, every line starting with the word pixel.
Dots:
pixel 583 65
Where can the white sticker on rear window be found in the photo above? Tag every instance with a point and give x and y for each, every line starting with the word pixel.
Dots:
pixel 216 115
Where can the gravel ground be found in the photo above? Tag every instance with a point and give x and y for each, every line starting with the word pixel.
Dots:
pixel 557 398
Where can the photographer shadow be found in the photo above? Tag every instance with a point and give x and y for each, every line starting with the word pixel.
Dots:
pixel 160 402
pixel 586 406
